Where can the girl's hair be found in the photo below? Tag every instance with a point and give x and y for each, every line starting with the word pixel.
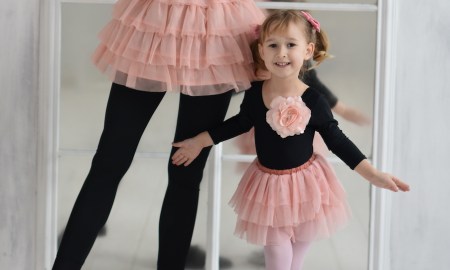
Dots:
pixel 279 20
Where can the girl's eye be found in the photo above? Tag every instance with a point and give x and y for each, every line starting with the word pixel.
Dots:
pixel 290 45
pixel 272 45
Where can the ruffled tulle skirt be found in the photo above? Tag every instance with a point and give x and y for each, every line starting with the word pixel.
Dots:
pixel 307 203
pixel 197 47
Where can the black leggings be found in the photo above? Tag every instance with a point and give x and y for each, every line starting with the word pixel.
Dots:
pixel 127 114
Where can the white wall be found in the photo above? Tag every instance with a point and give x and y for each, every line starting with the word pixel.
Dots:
pixel 421 220
pixel 18 130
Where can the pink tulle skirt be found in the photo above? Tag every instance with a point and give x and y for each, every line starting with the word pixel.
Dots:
pixel 197 47
pixel 307 203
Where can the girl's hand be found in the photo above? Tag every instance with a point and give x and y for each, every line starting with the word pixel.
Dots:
pixel 189 149
pixel 380 179
pixel 387 181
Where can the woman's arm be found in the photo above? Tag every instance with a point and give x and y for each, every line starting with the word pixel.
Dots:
pixel 350 114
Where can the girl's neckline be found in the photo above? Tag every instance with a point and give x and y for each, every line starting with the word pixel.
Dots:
pixel 267 105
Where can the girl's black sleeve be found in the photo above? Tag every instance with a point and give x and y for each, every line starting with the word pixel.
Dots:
pixel 236 125
pixel 333 136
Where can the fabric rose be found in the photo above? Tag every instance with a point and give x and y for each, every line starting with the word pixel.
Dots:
pixel 288 116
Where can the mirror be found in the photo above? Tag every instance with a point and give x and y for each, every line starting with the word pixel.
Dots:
pixel 129 240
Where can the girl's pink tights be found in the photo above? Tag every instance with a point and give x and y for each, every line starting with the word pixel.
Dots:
pixel 285 255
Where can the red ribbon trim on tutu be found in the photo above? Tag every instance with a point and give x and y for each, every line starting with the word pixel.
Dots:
pixel 287 171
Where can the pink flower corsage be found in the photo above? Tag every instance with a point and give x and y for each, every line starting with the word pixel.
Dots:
pixel 288 116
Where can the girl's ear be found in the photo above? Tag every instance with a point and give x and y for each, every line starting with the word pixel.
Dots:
pixel 310 50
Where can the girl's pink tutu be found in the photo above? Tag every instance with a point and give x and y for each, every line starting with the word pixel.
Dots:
pixel 197 47
pixel 307 202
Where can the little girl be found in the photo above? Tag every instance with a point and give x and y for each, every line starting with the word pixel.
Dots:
pixel 289 196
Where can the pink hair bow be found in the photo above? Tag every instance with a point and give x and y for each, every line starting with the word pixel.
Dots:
pixel 315 23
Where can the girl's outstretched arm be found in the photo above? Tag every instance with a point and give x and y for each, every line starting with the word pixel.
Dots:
pixel 189 149
pixel 380 179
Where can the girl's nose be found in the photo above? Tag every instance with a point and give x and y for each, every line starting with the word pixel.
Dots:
pixel 282 52
pixel 282 55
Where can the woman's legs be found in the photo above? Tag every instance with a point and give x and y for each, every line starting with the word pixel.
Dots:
pixel 179 208
pixel 127 115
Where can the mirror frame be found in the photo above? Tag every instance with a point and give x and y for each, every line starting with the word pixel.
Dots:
pixel 49 87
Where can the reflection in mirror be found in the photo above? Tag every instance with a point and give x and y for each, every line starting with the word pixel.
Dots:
pixel 129 239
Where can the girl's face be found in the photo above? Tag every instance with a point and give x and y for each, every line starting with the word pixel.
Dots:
pixel 284 51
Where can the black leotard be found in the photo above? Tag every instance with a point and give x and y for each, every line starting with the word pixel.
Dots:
pixel 277 153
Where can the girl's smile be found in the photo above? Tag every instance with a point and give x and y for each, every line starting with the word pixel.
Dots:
pixel 282 64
